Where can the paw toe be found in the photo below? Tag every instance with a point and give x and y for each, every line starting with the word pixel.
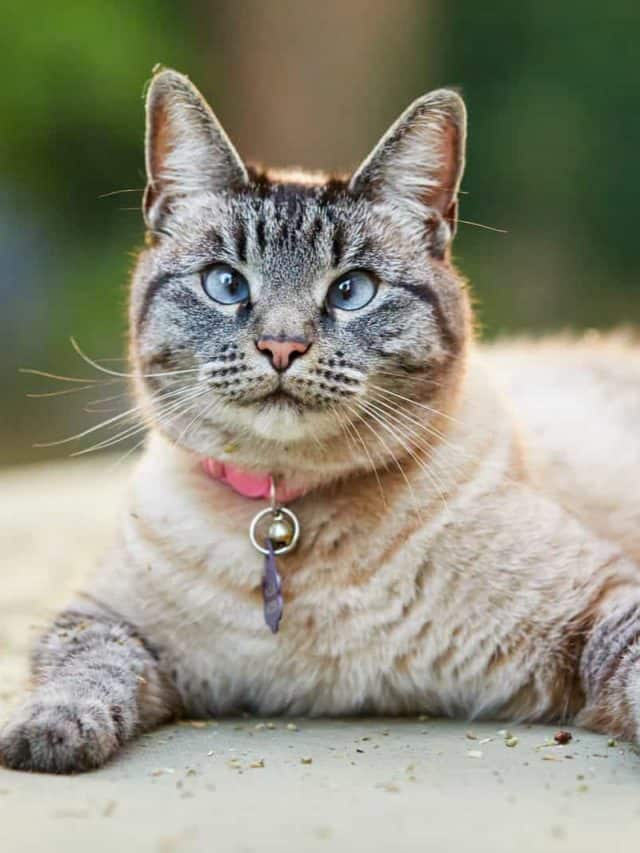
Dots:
pixel 58 738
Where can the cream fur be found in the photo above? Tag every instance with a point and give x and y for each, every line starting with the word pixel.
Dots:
pixel 458 608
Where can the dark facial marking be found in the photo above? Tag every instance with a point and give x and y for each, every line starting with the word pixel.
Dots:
pixel 240 236
pixel 427 294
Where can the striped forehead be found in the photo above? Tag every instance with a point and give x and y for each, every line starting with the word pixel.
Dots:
pixel 289 232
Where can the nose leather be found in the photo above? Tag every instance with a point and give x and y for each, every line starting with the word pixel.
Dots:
pixel 281 349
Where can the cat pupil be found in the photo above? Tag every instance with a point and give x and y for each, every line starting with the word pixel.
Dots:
pixel 345 289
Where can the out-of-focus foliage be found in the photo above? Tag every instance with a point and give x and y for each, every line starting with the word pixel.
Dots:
pixel 555 131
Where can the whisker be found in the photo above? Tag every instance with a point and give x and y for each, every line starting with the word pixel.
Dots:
pixel 187 394
pixel 33 372
pixel 350 425
pixel 400 411
pixel 102 369
pixel 388 450
pixel 92 406
pixel 62 393
pixel 485 227
pixel 88 431
pixel 414 402
pixel 406 433
pixel 92 429
pixel 119 192
pixel 199 417
pixel 138 444
pixel 409 377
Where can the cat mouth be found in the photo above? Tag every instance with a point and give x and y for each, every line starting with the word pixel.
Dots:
pixel 281 399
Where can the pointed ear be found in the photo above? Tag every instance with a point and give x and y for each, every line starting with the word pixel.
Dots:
pixel 417 166
pixel 186 149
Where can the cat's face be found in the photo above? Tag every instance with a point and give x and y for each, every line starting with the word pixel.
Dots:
pixel 274 312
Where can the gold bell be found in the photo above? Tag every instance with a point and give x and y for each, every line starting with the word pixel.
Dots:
pixel 280 532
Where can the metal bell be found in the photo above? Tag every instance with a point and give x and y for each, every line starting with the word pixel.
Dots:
pixel 280 532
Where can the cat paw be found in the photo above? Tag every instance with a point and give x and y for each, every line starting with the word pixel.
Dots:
pixel 51 734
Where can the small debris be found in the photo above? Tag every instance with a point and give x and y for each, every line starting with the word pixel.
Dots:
pixel 582 788
pixel 198 724
pixel 191 772
pixel 475 753
pixel 258 763
pixel 306 760
pixel 160 771
pixel 271 725
pixel 423 718
pixel 563 737
pixel 550 758
pixel 292 727
pixel 391 788
pixel 511 741
pixel 484 740
pixel 260 727
pixel 612 742
pixel 210 753
pixel 234 764
pixel 470 736
pixel 109 808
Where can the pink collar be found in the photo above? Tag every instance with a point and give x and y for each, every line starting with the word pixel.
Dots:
pixel 248 484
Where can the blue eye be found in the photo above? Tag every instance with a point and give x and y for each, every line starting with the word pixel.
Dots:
pixel 351 291
pixel 225 285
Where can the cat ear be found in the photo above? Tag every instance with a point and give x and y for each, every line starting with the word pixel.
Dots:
pixel 417 166
pixel 186 148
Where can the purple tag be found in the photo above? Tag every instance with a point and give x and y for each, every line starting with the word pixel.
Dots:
pixel 272 590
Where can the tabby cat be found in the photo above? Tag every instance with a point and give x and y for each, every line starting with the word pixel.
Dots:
pixel 303 346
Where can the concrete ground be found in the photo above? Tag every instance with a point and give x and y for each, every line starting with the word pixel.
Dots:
pixel 260 785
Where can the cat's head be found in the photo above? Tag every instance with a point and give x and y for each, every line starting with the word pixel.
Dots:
pixel 290 318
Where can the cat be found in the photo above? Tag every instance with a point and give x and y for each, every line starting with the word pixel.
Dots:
pixel 305 342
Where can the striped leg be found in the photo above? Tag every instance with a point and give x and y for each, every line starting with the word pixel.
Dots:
pixel 610 671
pixel 96 685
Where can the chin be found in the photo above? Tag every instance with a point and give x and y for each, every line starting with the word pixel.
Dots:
pixel 285 420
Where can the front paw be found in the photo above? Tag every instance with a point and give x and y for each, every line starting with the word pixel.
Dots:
pixel 54 733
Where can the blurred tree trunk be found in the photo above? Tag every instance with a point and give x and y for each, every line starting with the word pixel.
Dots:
pixel 314 83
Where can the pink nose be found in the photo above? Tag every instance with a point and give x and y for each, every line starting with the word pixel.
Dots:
pixel 282 350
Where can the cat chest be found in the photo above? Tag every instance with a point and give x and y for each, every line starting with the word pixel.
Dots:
pixel 352 658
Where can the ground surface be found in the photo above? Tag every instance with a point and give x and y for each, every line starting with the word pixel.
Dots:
pixel 250 785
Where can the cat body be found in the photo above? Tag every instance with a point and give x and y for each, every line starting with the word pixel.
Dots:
pixel 467 536
pixel 469 598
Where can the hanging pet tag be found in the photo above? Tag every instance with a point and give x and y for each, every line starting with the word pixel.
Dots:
pixel 282 537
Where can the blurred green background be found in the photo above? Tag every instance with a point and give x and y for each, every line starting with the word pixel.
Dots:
pixel 552 91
